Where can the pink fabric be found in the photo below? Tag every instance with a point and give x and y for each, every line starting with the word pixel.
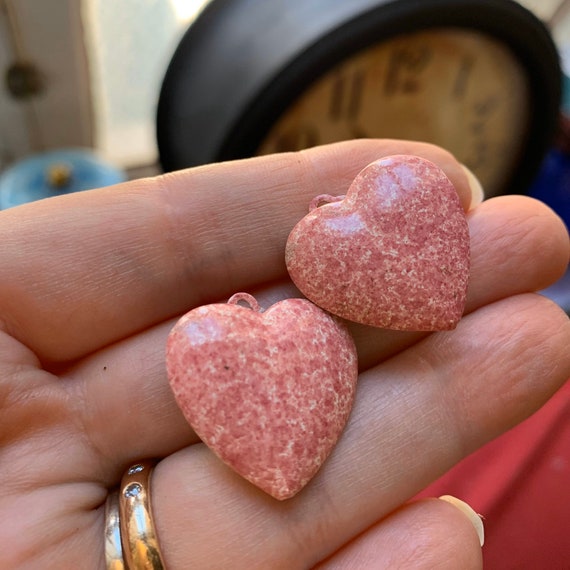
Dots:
pixel 520 483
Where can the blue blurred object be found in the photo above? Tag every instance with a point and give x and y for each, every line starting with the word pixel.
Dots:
pixel 553 184
pixel 552 187
pixel 55 173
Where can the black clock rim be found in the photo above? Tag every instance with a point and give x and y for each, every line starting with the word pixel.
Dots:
pixel 510 24
pixel 505 20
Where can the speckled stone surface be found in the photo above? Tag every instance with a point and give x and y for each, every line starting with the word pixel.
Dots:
pixel 269 392
pixel 393 253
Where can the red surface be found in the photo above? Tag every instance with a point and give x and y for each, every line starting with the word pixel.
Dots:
pixel 394 253
pixel 268 392
pixel 520 483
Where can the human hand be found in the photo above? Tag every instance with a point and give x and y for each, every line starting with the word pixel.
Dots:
pixel 91 284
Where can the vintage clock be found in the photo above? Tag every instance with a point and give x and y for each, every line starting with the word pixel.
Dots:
pixel 478 77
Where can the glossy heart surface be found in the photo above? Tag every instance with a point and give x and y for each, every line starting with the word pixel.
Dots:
pixel 392 253
pixel 269 392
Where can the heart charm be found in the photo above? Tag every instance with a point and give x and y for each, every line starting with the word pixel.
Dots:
pixel 393 252
pixel 269 393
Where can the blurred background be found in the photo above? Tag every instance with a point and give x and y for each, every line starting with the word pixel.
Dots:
pixel 95 70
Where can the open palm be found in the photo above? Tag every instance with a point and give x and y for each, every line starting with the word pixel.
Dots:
pixel 90 285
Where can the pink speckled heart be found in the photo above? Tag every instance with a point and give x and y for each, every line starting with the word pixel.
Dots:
pixel 268 392
pixel 393 252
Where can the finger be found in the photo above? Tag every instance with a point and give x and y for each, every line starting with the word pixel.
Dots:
pixel 414 417
pixel 118 260
pixel 128 408
pixel 51 527
pixel 421 535
pixel 518 245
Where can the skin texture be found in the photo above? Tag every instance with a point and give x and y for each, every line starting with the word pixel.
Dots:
pixel 91 285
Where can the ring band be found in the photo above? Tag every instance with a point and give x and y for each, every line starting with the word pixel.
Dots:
pixel 113 547
pixel 138 536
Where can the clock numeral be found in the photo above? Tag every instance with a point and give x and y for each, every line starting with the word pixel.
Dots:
pixel 462 78
pixel 404 67
pixel 483 111
pixel 346 95
pixel 485 108
pixel 298 139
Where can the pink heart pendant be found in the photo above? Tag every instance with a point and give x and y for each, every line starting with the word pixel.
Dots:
pixel 269 393
pixel 393 253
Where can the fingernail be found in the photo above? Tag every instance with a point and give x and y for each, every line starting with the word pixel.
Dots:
pixel 473 517
pixel 477 192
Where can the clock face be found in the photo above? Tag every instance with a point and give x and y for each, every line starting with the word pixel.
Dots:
pixel 456 88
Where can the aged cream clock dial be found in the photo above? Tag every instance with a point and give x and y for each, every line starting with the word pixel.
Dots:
pixel 478 77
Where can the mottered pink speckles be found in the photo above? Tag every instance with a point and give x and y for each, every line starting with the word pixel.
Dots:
pixel 393 253
pixel 268 392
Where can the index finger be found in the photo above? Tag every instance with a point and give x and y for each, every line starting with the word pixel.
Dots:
pixel 88 269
